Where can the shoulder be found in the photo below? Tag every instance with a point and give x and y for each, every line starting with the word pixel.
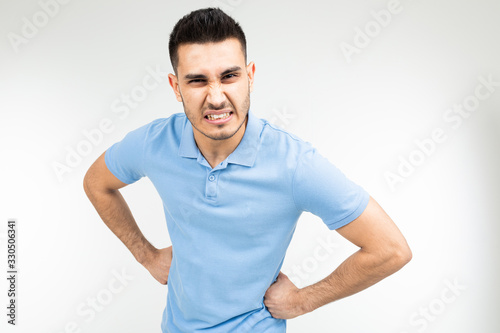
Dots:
pixel 162 128
pixel 174 122
pixel 279 139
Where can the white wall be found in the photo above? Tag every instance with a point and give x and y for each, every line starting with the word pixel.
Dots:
pixel 365 111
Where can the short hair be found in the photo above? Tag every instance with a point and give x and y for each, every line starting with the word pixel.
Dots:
pixel 208 25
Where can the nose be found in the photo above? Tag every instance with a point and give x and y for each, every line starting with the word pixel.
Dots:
pixel 216 95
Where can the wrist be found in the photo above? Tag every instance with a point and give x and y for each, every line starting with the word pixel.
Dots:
pixel 146 255
pixel 304 301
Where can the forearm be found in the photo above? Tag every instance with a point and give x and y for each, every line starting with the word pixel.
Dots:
pixel 358 272
pixel 114 211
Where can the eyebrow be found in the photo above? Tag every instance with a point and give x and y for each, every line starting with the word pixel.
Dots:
pixel 204 77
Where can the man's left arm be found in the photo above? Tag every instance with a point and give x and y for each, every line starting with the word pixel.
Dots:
pixel 383 251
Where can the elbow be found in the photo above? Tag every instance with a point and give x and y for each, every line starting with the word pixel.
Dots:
pixel 86 183
pixel 89 183
pixel 401 255
pixel 391 259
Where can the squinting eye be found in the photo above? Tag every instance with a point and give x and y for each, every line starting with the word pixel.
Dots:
pixel 229 76
pixel 196 81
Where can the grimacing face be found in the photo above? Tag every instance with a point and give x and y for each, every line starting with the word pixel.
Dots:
pixel 214 84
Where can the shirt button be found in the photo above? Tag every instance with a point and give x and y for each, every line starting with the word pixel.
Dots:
pixel 211 178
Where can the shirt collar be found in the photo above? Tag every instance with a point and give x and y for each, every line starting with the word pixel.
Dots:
pixel 187 147
pixel 244 154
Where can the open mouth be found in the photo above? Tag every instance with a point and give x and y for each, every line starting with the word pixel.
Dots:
pixel 218 116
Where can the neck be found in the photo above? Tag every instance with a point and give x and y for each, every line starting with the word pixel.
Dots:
pixel 216 151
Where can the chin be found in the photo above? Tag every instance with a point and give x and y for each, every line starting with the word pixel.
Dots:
pixel 221 135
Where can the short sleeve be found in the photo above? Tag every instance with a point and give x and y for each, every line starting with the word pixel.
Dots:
pixel 125 159
pixel 321 188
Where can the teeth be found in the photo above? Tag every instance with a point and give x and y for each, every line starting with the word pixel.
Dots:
pixel 218 116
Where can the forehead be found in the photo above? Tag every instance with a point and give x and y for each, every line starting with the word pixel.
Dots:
pixel 209 57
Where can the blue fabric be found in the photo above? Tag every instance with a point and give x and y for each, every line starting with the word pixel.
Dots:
pixel 230 226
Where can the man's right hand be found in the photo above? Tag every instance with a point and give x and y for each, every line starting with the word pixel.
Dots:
pixel 102 188
pixel 159 264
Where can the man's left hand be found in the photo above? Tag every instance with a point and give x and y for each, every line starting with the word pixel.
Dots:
pixel 283 299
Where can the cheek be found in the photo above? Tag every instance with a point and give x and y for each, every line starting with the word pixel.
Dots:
pixel 194 98
pixel 238 94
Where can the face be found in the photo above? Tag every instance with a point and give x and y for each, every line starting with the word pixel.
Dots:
pixel 214 84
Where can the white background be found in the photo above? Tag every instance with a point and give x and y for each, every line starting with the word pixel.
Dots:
pixel 365 115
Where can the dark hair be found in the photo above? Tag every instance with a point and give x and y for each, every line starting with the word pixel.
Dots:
pixel 208 25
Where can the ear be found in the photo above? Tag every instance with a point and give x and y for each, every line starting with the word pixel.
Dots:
pixel 251 74
pixel 172 79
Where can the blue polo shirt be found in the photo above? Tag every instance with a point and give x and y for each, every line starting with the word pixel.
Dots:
pixel 230 226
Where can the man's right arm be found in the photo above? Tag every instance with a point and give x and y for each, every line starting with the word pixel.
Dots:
pixel 102 189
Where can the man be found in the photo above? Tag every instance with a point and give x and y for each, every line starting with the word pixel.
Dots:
pixel 233 187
